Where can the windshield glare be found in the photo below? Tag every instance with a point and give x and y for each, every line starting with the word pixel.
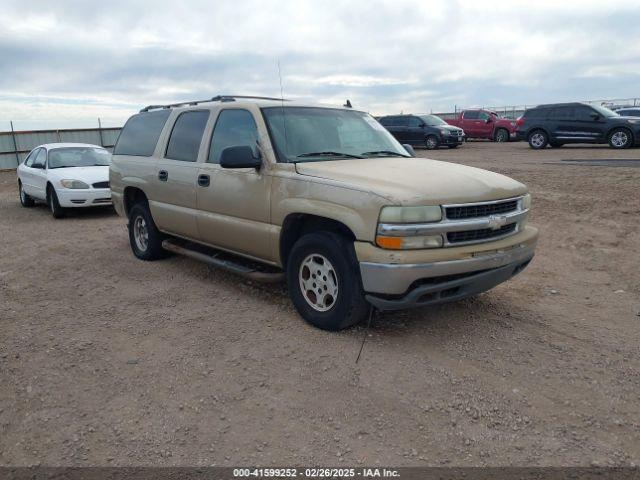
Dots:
pixel 605 112
pixel 297 131
pixel 78 157
pixel 432 120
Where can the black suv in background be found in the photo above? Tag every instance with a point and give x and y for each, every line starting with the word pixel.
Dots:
pixel 563 123
pixel 428 131
pixel 628 111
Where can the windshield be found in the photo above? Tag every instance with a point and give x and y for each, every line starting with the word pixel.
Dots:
pixel 605 112
pixel 307 134
pixel 432 120
pixel 78 157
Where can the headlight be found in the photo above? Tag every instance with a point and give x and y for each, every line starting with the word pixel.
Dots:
pixel 526 202
pixel 76 184
pixel 410 214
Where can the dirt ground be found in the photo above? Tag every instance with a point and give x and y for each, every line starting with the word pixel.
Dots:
pixel 107 360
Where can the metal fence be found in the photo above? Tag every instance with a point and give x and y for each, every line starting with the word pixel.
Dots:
pixel 15 145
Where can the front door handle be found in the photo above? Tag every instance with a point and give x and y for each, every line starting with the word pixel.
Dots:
pixel 163 175
pixel 203 180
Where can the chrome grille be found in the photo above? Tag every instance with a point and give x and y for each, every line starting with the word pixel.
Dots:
pixel 480 210
pixel 482 234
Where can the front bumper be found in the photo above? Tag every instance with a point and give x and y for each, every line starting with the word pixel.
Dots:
pixel 92 197
pixel 451 139
pixel 415 278
pixel 450 289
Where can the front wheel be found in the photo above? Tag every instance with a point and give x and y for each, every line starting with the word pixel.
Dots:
pixel 54 205
pixel 324 281
pixel 144 237
pixel 25 200
pixel 502 135
pixel 620 138
pixel 538 139
pixel 431 142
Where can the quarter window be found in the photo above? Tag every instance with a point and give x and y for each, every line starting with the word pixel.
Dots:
pixel 140 134
pixel 186 136
pixel 234 127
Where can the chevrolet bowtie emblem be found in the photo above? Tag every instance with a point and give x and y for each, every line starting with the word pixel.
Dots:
pixel 496 222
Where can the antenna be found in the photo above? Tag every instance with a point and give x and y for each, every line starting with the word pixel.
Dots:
pixel 284 120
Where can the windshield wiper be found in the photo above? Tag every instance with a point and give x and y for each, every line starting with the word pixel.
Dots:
pixel 328 154
pixel 385 152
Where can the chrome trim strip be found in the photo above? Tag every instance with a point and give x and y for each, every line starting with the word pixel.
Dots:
pixel 479 223
pixel 395 279
pixel 488 202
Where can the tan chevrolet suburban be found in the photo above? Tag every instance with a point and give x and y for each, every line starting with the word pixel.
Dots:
pixel 323 197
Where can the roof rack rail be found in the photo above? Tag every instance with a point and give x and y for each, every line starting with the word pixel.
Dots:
pixel 217 98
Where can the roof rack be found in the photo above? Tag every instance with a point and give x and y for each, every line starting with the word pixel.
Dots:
pixel 217 98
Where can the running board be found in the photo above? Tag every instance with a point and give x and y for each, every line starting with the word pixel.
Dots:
pixel 230 266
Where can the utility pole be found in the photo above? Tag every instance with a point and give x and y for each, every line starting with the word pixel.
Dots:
pixel 15 145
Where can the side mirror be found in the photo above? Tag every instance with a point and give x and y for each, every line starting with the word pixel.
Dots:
pixel 240 156
pixel 595 116
pixel 409 149
pixel 422 125
pixel 488 120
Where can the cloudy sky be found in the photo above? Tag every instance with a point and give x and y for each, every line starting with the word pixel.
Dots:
pixel 66 63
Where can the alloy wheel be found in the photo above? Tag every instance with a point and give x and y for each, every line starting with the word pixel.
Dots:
pixel 318 282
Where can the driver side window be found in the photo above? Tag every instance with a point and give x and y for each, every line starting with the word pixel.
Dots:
pixel 234 127
pixel 483 116
pixel 40 158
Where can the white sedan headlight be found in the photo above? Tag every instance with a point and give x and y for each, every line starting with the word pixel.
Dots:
pixel 75 184
pixel 410 214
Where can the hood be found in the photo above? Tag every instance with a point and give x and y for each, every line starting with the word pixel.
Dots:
pixel 449 128
pixel 416 181
pixel 86 174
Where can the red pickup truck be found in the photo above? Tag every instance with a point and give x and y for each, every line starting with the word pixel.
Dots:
pixel 479 123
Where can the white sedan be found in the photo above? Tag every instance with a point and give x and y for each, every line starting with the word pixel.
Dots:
pixel 65 175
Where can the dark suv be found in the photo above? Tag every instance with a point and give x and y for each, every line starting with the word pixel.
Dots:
pixel 563 123
pixel 428 131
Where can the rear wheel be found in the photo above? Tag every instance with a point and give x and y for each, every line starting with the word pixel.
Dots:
pixel 431 142
pixel 324 281
pixel 620 138
pixel 501 135
pixel 25 200
pixel 54 205
pixel 538 139
pixel 144 237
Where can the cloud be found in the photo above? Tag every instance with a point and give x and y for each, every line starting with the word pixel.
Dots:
pixel 70 61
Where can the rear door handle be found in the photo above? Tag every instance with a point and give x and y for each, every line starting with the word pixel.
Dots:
pixel 203 180
pixel 163 175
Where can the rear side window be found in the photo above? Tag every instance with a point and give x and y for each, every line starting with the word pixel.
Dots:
pixel 471 114
pixel 141 133
pixel 234 127
pixel 402 121
pixel 563 113
pixel 415 122
pixel 386 121
pixel 186 136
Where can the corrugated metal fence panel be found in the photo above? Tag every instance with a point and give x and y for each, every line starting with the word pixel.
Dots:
pixel 27 141
pixel 110 136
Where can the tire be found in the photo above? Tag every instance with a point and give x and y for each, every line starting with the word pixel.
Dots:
pixel 144 237
pixel 25 200
pixel 332 254
pixel 501 135
pixel 538 139
pixel 54 205
pixel 431 142
pixel 620 138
